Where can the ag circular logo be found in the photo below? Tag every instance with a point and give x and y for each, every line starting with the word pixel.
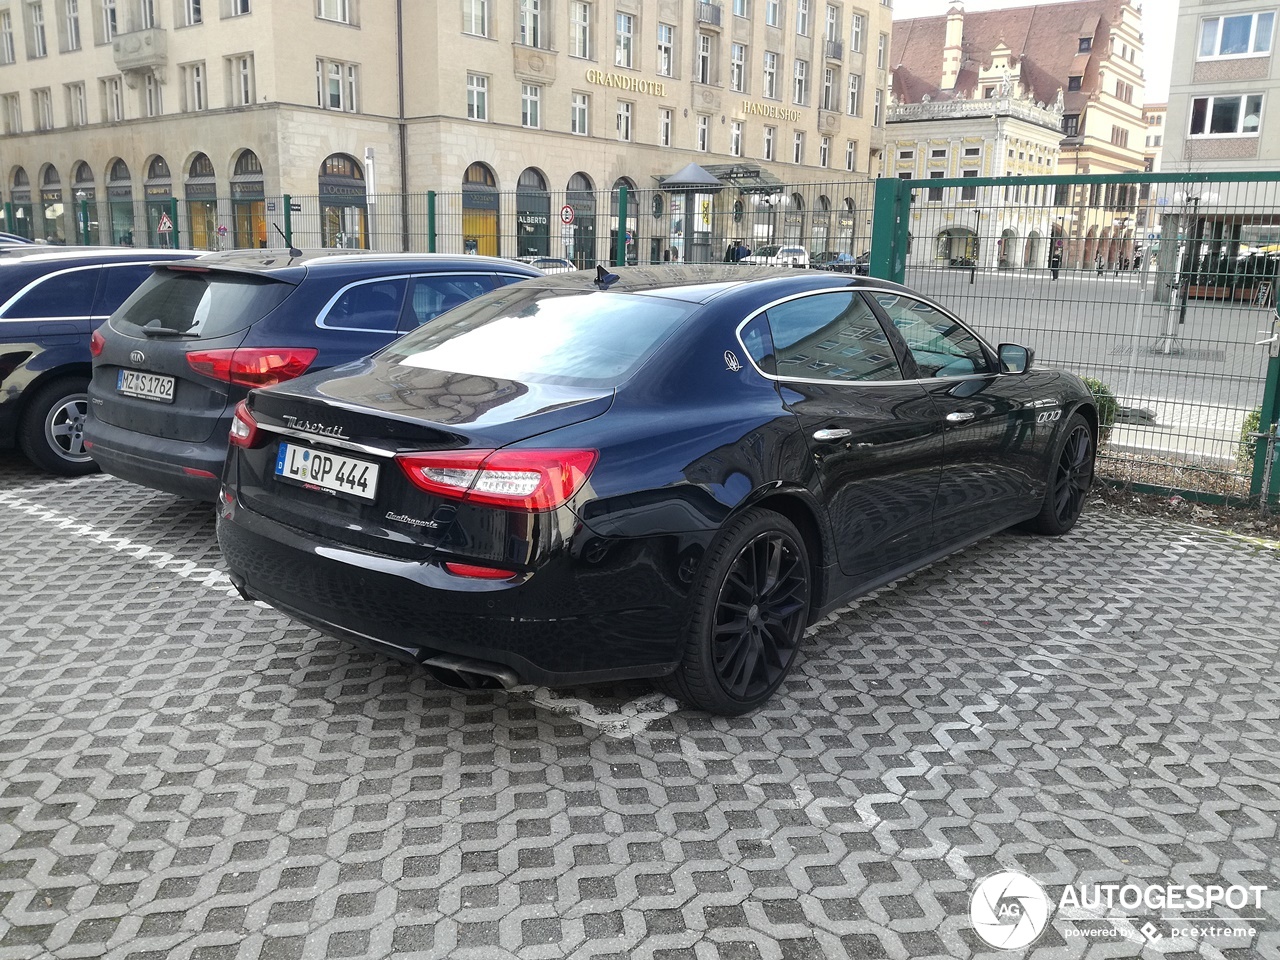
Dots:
pixel 1009 910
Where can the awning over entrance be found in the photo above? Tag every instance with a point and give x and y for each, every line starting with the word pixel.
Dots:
pixel 747 177
pixel 691 177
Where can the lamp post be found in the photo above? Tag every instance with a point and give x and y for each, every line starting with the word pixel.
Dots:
pixel 977 234
pixel 82 216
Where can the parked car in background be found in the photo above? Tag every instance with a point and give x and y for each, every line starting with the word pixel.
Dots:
pixel 773 255
pixel 171 365
pixel 14 238
pixel 823 260
pixel 51 299
pixel 848 263
pixel 669 474
pixel 548 264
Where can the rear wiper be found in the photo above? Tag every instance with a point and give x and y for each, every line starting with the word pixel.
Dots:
pixel 166 332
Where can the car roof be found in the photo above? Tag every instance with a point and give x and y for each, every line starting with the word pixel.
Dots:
pixel 28 253
pixel 703 282
pixel 283 265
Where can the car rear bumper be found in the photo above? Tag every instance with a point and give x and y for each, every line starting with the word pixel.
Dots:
pixel 536 630
pixel 186 469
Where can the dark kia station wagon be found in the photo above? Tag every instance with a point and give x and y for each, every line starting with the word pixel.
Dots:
pixel 197 336
pixel 51 299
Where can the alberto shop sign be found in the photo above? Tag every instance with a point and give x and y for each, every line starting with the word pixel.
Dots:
pixel 623 81
pixel 770 110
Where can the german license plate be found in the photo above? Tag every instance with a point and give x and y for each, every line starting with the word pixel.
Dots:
pixel 148 386
pixel 331 472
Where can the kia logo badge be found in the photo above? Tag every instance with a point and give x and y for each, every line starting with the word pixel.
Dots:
pixel 137 357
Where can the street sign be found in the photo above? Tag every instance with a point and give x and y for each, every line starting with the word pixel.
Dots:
pixel 566 214
pixel 165 225
pixel 271 206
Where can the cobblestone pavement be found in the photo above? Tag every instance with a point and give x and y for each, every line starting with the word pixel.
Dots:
pixel 184 774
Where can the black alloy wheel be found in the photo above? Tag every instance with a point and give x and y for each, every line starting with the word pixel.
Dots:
pixel 751 610
pixel 1069 480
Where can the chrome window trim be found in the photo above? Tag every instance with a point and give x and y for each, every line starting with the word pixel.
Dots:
pixel 323 315
pixel 317 438
pixel 39 280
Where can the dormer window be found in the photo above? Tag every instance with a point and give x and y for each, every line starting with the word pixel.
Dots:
pixel 1073 83
pixel 1086 44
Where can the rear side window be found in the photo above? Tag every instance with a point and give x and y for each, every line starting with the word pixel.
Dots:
pixel 60 295
pixel 433 296
pixel 204 304
pixel 546 336
pixel 117 284
pixel 372 305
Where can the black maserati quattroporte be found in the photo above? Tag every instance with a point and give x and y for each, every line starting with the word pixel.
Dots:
pixel 663 472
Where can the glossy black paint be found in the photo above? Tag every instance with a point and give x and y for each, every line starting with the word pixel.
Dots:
pixel 695 437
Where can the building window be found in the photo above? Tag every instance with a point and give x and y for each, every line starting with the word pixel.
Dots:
pixel 969 193
pixel 1244 35
pixel 740 8
pixel 477 97
pixel 875 113
pixel 770 85
pixel 854 106
pixel 530 28
pixel 833 24
pixel 12 113
pixel 7 54
pixel 772 12
pixel 851 155
pixel 39 40
pixel 824 152
pixel 147 11
pixel 1086 44
pixel 337 85
pixel 580 114
pixel 339 10
pixel 666 50
pixel 738 68
pixel 530 105
pixel 112 99
pixel 110 24
pixel 1071 125
pixel 71 24
pixel 801 90
pixel 829 89
pixel 802 17
pixel 77 105
pixel 625 110
pixel 240 70
pixel 797 147
pixel 664 127
pixel 475 17
pixel 906 154
pixel 192 14
pixel 934 194
pixel 882 51
pixel 705 58
pixel 1073 83
pixel 855 36
pixel 240 8
pixel 42 102
pixel 1226 116
pixel 624 47
pixel 735 138
pixel 580 30
pixel 704 133
pixel 193 87
pixel 1124 91
pixel 770 138
pixel 152 103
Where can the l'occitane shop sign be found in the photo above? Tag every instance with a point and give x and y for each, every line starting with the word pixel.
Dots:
pixel 625 81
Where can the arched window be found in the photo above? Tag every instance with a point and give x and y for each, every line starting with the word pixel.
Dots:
pixel 248 201
pixel 581 196
pixel 533 214
pixel 85 193
pixel 120 202
pixel 201 188
pixel 161 213
pixel 52 209
pixel 480 210
pixel 343 203
pixel 632 244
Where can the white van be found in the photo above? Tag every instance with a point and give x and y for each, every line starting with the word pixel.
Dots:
pixel 776 256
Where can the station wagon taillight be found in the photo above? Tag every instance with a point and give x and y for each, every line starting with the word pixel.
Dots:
pixel 526 480
pixel 253 366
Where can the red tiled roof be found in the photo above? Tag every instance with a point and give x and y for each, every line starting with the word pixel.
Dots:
pixel 1044 38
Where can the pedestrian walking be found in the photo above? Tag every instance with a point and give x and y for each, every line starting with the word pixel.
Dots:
pixel 1055 264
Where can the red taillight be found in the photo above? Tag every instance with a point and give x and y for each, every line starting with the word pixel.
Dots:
pixel 197 472
pixel 253 366
pixel 244 429
pixel 96 343
pixel 528 480
pixel 477 572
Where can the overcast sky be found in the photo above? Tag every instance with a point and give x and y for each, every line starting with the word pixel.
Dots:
pixel 1157 30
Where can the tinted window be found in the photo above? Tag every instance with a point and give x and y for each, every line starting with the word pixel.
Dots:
pixel 199 303
pixel 433 296
pixel 117 284
pixel 758 343
pixel 940 346
pixel 590 339
pixel 831 336
pixel 61 295
pixel 374 306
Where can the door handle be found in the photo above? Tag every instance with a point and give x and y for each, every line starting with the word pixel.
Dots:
pixel 959 417
pixel 830 435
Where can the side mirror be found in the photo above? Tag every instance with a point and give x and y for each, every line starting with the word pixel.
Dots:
pixel 1015 358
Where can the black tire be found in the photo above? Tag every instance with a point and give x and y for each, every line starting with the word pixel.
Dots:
pixel 747 618
pixel 51 433
pixel 1070 476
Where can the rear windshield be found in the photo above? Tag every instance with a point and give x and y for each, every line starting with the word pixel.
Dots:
pixel 593 339
pixel 198 304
